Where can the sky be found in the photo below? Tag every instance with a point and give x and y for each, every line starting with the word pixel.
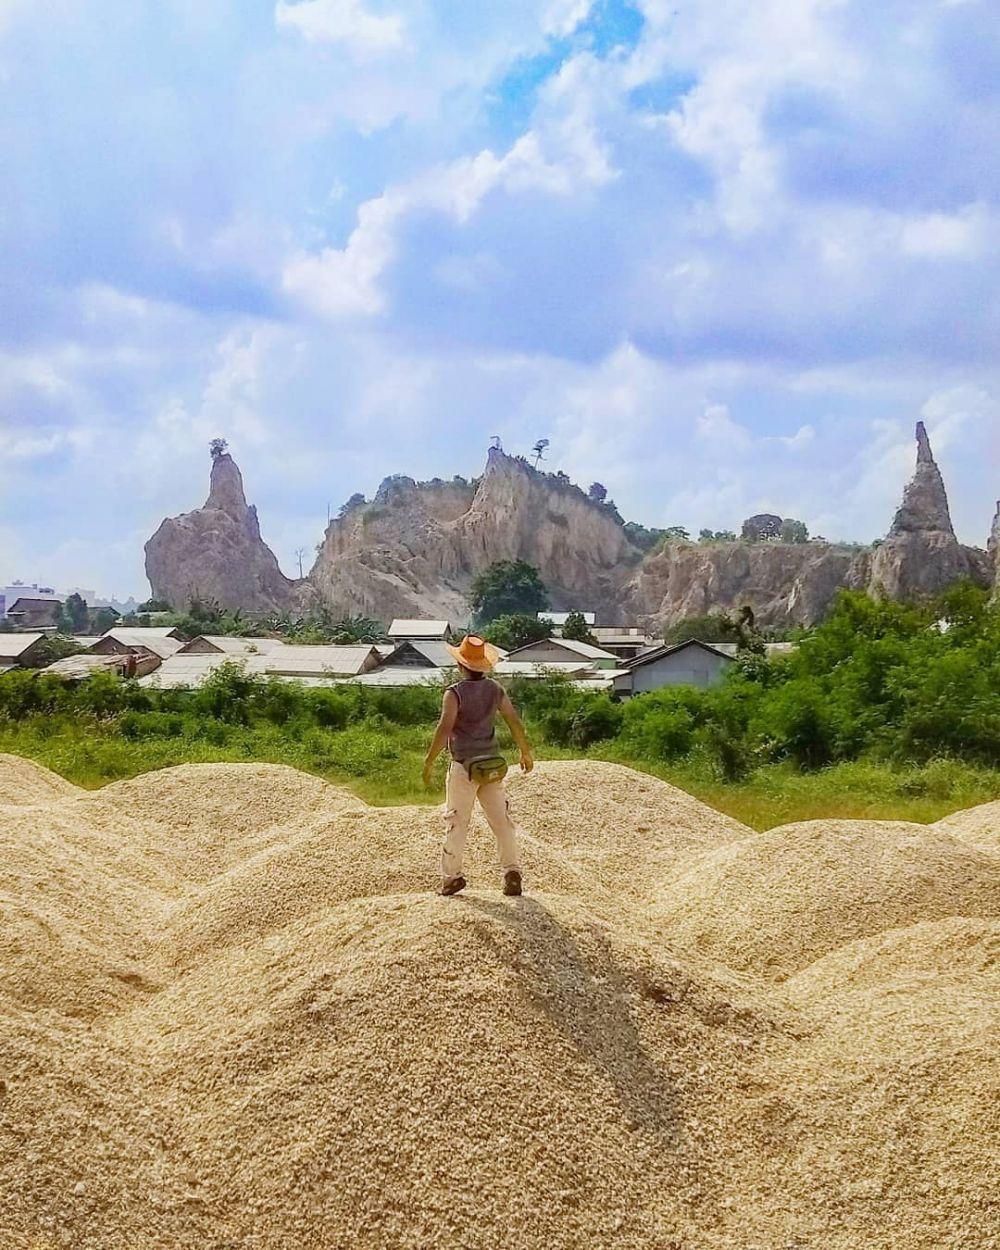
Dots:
pixel 722 255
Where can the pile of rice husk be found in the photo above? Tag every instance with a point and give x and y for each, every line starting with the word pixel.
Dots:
pixel 976 824
pixel 234 1014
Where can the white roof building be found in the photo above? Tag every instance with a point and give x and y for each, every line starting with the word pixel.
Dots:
pixel 409 630
pixel 311 666
pixel 161 642
pixel 306 661
pixel 224 644
pixel 401 676
pixel 553 650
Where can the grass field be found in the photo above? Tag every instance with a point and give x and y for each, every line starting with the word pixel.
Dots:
pixel 381 764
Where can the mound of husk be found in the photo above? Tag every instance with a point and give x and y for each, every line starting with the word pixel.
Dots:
pixel 233 1013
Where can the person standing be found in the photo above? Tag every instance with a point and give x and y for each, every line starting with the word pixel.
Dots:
pixel 467 726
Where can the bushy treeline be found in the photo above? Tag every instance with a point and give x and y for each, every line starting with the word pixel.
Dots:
pixel 229 696
pixel 876 680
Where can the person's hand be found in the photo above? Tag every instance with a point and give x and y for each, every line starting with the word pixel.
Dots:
pixel 527 761
pixel 428 773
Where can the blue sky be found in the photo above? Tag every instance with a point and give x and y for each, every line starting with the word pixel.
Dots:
pixel 722 255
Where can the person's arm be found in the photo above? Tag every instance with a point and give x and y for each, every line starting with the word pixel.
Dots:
pixel 509 713
pixel 449 712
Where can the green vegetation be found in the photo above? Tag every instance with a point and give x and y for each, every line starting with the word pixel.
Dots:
pixel 203 617
pixel 516 630
pixel 508 587
pixel 575 628
pixel 884 711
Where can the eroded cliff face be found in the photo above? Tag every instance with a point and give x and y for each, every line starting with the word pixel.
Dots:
pixel 784 583
pixel 993 553
pixel 414 550
pixel 216 553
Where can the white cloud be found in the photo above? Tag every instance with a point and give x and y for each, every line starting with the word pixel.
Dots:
pixel 715 425
pixel 345 22
pixel 562 17
pixel 344 282
pixel 943 235
pixel 743 55
pixel 802 437
pixel 948 413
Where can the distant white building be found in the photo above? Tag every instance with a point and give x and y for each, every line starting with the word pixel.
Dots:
pixel 10 594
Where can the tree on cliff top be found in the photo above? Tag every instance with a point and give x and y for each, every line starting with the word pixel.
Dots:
pixel 508 587
pixel 793 531
pixel 761 527
pixel 218 447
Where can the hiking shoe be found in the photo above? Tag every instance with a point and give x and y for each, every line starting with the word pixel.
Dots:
pixel 512 883
pixel 453 886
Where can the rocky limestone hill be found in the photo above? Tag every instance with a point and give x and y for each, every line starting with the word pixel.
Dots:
pixel 216 553
pixel 415 548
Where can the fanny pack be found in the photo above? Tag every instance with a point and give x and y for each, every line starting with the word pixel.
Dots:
pixel 486 768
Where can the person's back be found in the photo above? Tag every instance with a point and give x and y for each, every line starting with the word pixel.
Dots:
pixel 474 731
pixel 467 726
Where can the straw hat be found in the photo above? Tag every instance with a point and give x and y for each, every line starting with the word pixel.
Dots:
pixel 475 653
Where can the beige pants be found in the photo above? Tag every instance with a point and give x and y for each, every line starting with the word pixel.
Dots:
pixel 460 797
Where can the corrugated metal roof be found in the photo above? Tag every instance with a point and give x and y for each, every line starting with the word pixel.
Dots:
pixel 14 645
pixel 318 661
pixel 150 631
pixel 310 665
pixel 153 640
pixel 80 666
pixel 568 644
pixel 401 677
pixel 433 650
pixel 535 668
pixel 657 653
pixel 404 628
pixel 228 645
pixel 185 670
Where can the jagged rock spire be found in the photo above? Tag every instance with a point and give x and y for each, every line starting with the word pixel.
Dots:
pixel 226 491
pixel 925 501
pixel 993 547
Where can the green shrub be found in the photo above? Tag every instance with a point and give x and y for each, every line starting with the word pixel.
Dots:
pixel 662 724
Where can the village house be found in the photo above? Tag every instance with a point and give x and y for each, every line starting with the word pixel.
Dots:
pixel 162 642
pixel 690 663
pixel 564 650
pixel 418 653
pixel 19 650
pixel 223 644
pixel 35 613
pixel 78 667
pixel 403 630
pixel 623 641
pixel 308 665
